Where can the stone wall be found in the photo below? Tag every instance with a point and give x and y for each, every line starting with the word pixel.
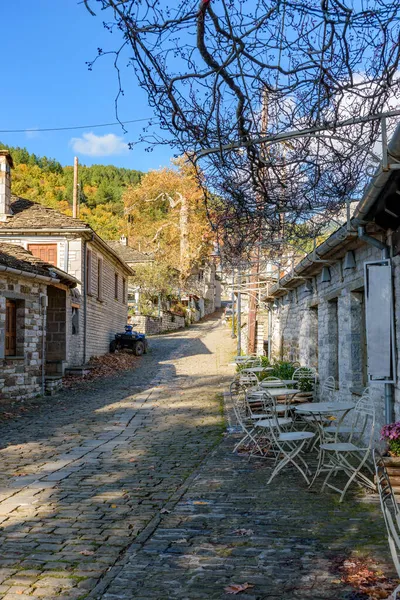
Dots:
pixel 154 325
pixel 325 328
pixel 20 376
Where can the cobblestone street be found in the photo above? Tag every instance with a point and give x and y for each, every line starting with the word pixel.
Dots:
pixel 127 488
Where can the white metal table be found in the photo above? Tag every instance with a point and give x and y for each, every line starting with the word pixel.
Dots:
pixel 318 410
pixel 257 369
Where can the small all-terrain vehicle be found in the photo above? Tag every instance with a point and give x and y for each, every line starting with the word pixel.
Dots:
pixel 129 339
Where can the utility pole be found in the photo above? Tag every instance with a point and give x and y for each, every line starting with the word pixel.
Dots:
pixel 184 234
pixel 75 212
pixel 239 311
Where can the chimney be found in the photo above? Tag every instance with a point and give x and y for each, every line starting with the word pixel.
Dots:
pixel 6 163
pixel 123 240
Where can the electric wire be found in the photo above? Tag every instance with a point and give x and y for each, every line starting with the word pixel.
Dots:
pixel 150 120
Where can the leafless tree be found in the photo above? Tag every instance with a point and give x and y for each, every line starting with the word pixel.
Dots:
pixel 228 81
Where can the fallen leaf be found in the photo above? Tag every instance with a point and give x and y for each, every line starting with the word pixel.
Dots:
pixel 200 502
pixel 113 506
pixel 181 541
pixel 236 588
pixel 164 510
pixel 243 532
pixel 86 552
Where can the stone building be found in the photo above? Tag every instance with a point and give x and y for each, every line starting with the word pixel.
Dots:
pixel 98 307
pixel 35 302
pixel 339 310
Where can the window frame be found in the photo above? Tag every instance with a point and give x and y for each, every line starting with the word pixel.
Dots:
pixel 100 279
pixel 89 271
pixel 116 286
pixel 10 303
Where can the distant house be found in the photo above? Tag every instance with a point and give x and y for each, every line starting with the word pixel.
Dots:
pixel 35 301
pixel 132 258
pixel 202 292
pixel 98 306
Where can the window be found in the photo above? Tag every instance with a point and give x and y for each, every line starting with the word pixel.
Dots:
pixel 11 328
pixel 75 320
pixel 116 286
pixel 333 339
pixel 123 290
pixel 46 252
pixel 89 272
pixel 99 279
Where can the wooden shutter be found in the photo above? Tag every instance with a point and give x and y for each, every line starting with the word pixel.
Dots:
pixel 46 252
pixel 11 328
pixel 116 286
pixel 89 272
pixel 100 279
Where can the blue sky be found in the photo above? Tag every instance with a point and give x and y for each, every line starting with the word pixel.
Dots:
pixel 46 83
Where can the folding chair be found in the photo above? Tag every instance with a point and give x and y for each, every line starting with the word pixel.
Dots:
pixel 351 456
pixel 238 398
pixel 286 444
pixel 248 380
pixel 327 390
pixel 302 373
pixel 391 514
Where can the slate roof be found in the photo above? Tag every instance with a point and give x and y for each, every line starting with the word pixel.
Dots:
pixel 30 215
pixel 16 257
pixel 129 254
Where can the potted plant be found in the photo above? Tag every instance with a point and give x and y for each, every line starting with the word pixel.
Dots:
pixel 306 389
pixel 391 435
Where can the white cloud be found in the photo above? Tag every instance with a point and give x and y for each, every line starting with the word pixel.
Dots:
pixel 99 145
pixel 32 133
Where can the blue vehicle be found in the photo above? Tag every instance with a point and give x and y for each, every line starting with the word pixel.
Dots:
pixel 130 339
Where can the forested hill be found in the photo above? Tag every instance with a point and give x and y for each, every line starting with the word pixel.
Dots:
pixel 46 181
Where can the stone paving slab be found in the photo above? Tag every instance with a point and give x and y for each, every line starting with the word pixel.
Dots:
pixel 84 478
pixel 127 489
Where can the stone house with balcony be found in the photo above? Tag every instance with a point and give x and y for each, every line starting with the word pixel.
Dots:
pixel 35 302
pixel 97 307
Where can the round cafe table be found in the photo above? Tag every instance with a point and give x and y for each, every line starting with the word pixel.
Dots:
pixel 319 410
pixel 257 369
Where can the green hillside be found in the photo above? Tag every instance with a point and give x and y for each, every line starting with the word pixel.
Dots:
pixel 46 181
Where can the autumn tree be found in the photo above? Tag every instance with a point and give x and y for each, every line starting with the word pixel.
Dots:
pixel 167 216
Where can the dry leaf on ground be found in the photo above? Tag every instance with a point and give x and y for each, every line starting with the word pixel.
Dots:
pixel 164 510
pixel 87 552
pixel 236 588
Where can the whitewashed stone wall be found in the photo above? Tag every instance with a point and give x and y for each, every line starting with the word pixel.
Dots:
pixel 108 315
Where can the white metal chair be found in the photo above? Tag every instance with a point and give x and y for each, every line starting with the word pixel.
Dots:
pixel 327 389
pixel 306 373
pixel 238 399
pixel 269 417
pixel 287 445
pixel 248 380
pixel 352 455
pixel 391 514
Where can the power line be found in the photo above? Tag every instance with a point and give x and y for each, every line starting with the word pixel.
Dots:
pixel 150 121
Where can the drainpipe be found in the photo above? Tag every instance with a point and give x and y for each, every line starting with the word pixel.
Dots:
pixel 389 387
pixel 269 332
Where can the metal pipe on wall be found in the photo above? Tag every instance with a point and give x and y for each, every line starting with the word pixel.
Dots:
pixel 233 335
pixel 269 332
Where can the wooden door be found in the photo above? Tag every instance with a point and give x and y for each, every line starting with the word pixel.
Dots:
pixel 46 252
pixel 11 328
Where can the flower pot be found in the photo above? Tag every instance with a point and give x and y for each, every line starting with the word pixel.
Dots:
pixel 303 397
pixel 392 464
